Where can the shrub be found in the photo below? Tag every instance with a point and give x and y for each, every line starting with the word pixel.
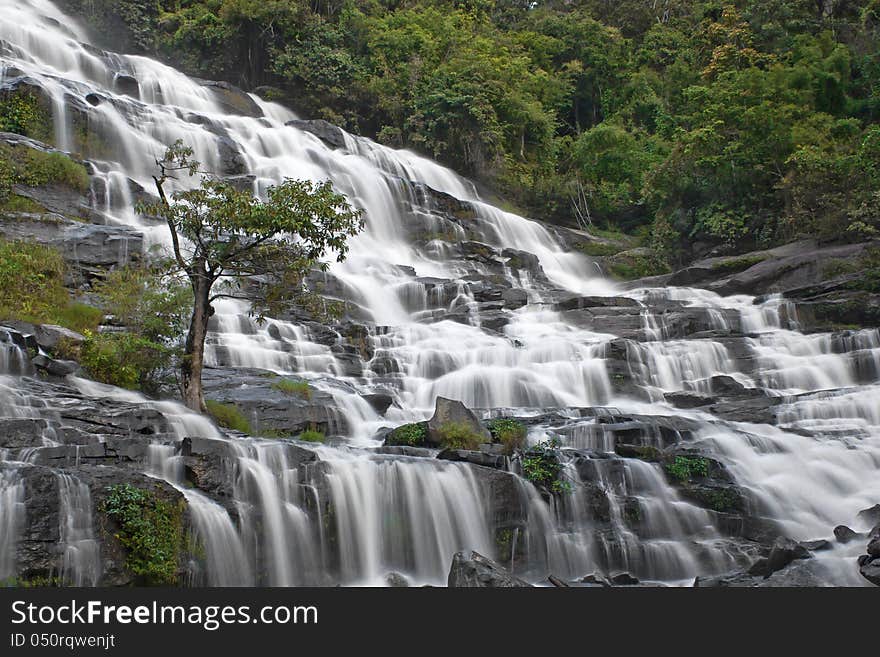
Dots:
pixel 457 435
pixel 80 317
pixel 541 466
pixel 124 360
pixel 510 433
pixel 150 530
pixel 38 168
pixel 23 114
pixel 412 435
pixel 293 388
pixel 228 416
pixel 311 436
pixel 683 468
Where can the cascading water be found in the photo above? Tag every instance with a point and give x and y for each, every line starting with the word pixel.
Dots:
pixel 467 309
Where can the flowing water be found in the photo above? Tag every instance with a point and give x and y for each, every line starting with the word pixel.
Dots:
pixel 349 514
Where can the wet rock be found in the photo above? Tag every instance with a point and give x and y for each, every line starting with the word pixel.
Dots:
pixel 688 399
pixel 379 402
pixel 128 85
pixel 596 580
pixel 819 545
pixel 473 570
pixel 232 99
pixel 48 336
pixel 450 411
pixel 783 552
pixel 623 579
pixel 870 516
pixel 396 581
pixel 473 456
pixel 55 367
pixel 323 130
pixel 844 534
pixel 870 570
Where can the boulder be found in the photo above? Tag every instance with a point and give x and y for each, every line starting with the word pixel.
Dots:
pixel 232 99
pixel 844 534
pixel 869 516
pixel 473 570
pixel 870 570
pixel 783 552
pixel 450 411
pixel 323 130
pixel 128 85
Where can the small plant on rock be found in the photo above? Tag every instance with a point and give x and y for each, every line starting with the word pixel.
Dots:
pixel 510 433
pixel 457 435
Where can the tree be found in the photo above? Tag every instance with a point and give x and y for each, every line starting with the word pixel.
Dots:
pixel 222 234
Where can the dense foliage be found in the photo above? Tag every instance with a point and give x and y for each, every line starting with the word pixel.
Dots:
pixel 705 123
pixel 151 531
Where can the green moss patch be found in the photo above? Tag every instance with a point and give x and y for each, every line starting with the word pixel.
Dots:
pixel 228 416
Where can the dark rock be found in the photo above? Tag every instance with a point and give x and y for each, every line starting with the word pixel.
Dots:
pixel 783 552
pixel 874 548
pixel 819 545
pixel 55 367
pixel 128 85
pixel 323 130
pixel 449 411
pixel 844 534
pixel 396 581
pixel 380 402
pixel 623 579
pixel 595 579
pixel 870 516
pixel 473 570
pixel 871 571
pixel 232 99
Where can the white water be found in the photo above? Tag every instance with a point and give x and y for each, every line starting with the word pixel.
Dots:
pixel 539 360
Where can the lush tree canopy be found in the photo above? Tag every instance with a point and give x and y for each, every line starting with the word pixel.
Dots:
pixel 731 123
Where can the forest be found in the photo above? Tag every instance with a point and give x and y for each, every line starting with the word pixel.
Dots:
pixel 695 126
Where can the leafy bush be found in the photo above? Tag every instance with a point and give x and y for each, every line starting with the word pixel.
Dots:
pixel 457 435
pixel 125 360
pixel 23 114
pixel 150 530
pixel 508 432
pixel 684 468
pixel 228 416
pixel 542 467
pixel 293 388
pixel 311 436
pixel 413 435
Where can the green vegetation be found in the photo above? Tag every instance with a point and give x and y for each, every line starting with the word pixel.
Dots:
pixel 228 416
pixel 32 288
pixel 542 467
pixel 234 235
pixel 312 436
pixel 630 265
pixel 24 114
pixel 458 435
pixel 150 530
pixel 684 468
pixel 712 123
pixel 293 388
pixel 27 166
pixel 152 304
pixel 510 433
pixel 412 435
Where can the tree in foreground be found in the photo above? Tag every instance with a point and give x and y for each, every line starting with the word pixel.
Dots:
pixel 226 240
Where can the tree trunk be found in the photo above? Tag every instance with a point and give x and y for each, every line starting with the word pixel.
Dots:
pixel 194 352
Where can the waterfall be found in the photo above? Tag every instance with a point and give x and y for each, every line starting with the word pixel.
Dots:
pixel 475 304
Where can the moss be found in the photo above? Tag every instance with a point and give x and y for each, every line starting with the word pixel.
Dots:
pixel 684 468
pixel 275 434
pixel 600 249
pixel 80 317
pixel 150 531
pixel 312 436
pixel 457 435
pixel 293 388
pixel 628 266
pixel 228 416
pixel 17 203
pixel 412 435
pixel 510 433
pixel 738 264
